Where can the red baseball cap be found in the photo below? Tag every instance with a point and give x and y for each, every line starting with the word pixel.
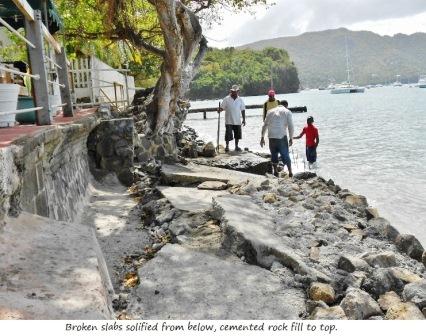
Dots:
pixel 271 93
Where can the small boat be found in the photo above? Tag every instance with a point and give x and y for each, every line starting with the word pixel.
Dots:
pixel 397 82
pixel 422 82
pixel 347 88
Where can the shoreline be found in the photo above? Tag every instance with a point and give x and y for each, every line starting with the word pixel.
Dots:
pixel 332 254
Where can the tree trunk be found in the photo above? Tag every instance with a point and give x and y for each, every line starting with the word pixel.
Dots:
pixel 182 37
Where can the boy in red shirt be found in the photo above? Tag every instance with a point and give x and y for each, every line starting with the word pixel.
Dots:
pixel 312 140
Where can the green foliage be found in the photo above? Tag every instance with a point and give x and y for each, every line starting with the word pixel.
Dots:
pixel 16 50
pixel 252 70
pixel 87 33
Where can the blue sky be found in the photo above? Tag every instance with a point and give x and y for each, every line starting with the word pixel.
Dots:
pixel 289 18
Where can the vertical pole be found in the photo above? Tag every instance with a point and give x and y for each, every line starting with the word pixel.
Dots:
pixel 64 79
pixel 204 115
pixel 127 85
pixel 36 57
pixel 115 94
pixel 218 128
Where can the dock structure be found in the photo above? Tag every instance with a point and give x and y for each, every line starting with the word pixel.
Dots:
pixel 204 110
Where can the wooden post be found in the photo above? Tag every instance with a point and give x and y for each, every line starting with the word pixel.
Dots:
pixel 36 56
pixel 204 115
pixel 61 58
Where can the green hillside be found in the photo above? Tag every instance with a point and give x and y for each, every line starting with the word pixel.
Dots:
pixel 320 57
pixel 250 69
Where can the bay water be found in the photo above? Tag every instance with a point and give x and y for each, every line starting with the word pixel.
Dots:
pixel 372 143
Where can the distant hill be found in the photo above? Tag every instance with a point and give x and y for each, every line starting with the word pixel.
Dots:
pixel 320 57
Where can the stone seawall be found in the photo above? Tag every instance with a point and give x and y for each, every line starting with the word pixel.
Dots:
pixel 47 173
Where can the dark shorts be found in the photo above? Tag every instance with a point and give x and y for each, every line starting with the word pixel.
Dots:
pixel 311 154
pixel 279 146
pixel 232 131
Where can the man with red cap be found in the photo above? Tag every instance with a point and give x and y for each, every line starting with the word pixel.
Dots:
pixel 270 103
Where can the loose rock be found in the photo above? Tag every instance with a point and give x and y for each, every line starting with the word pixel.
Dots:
pixel 351 264
pixel 388 299
pixel 331 313
pixel 270 198
pixel 383 259
pixel 371 213
pixel 212 185
pixel 322 292
pixel 416 293
pixel 410 245
pixel 404 311
pixel 209 150
pixel 358 305
pixel 356 200
pixel 382 228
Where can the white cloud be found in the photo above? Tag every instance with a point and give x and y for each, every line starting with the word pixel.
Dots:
pixel 289 17
pixel 407 25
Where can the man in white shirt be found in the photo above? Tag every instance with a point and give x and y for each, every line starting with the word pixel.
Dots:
pixel 277 121
pixel 234 108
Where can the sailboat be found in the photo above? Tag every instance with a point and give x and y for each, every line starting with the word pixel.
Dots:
pixel 422 82
pixel 347 87
pixel 397 82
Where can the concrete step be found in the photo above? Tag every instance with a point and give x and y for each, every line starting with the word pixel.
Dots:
pixel 51 270
pixel 192 173
pixel 180 283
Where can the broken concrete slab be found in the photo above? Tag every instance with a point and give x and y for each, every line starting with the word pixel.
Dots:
pixel 190 199
pixel 192 173
pixel 51 270
pixel 212 185
pixel 244 162
pixel 180 283
pixel 249 233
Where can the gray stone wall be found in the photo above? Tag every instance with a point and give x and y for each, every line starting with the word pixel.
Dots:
pixel 9 180
pixel 161 147
pixel 47 173
pixel 110 149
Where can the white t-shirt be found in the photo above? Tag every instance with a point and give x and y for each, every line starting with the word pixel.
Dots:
pixel 233 110
pixel 277 121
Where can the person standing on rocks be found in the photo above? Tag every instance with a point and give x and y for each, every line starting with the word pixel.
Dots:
pixel 277 121
pixel 234 108
pixel 270 103
pixel 312 141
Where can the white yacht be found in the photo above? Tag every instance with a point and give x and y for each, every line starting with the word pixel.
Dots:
pixel 397 82
pixel 347 87
pixel 422 82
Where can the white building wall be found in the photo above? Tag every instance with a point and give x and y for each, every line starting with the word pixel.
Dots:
pixel 97 81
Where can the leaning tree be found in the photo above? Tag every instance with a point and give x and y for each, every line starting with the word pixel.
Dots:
pixel 171 30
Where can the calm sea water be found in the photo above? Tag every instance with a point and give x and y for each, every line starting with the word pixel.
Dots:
pixel 373 143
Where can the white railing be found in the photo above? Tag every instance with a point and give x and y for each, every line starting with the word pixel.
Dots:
pixel 96 81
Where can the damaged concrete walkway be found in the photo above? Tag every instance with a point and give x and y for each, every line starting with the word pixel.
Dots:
pixel 199 278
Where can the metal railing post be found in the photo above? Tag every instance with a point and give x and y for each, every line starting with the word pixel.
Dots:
pixel 63 79
pixel 36 56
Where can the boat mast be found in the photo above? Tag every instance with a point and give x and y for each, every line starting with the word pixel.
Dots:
pixel 347 60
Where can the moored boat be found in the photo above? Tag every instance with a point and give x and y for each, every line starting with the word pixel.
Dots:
pixel 347 88
pixel 422 82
